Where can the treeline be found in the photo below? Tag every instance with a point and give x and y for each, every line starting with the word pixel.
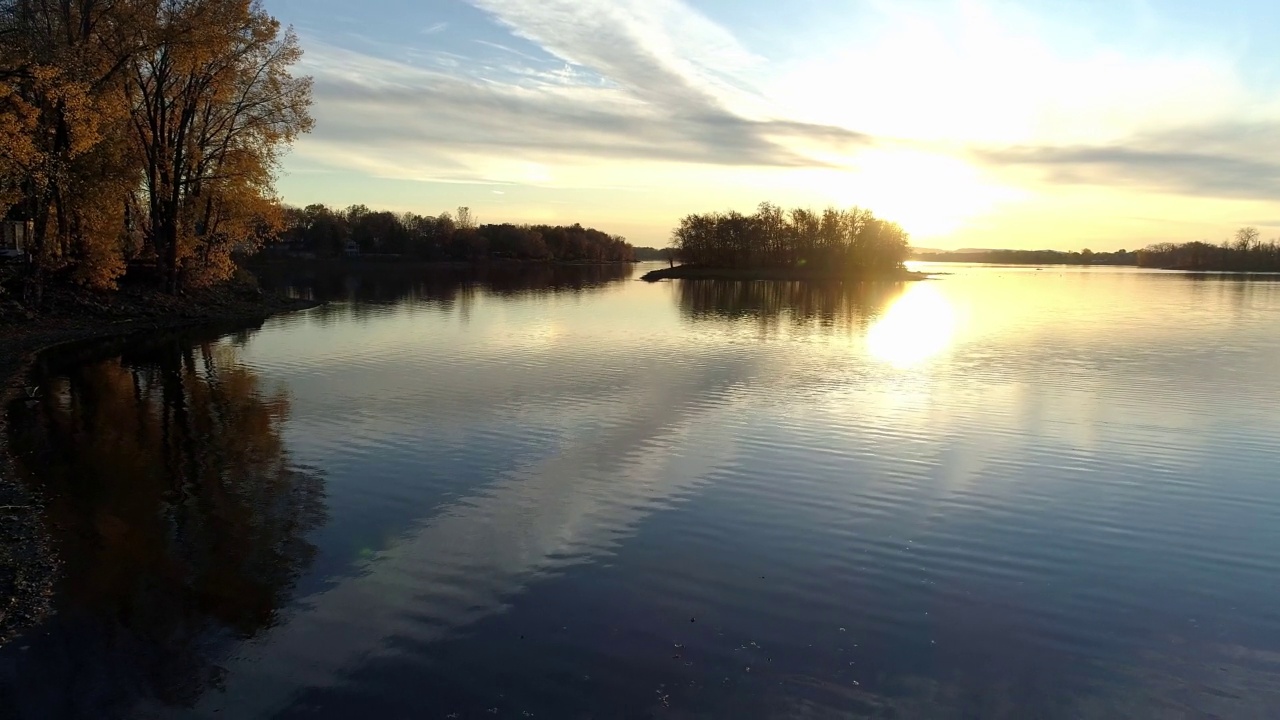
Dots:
pixel 1032 257
pixel 1244 253
pixel 325 232
pixel 651 254
pixel 772 237
pixel 144 132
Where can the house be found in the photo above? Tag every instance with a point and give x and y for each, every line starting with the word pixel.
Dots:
pixel 351 249
pixel 15 236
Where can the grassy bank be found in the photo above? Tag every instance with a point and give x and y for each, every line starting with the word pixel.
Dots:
pixel 28 565
pixel 702 272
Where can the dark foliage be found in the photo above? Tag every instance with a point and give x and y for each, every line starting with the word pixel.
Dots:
pixel 1246 253
pixel 652 254
pixel 854 240
pixel 325 232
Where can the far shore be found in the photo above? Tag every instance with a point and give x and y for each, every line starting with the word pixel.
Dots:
pixel 381 259
pixel 702 272
pixel 28 565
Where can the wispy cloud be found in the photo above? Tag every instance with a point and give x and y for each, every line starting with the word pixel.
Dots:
pixel 435 28
pixel 608 110
pixel 1222 160
pixel 663 51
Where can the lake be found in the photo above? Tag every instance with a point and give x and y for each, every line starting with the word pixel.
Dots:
pixel 563 493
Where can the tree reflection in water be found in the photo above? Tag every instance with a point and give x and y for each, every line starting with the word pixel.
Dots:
pixel 373 282
pixel 848 306
pixel 179 517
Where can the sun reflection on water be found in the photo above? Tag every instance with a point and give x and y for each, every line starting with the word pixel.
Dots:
pixel 918 325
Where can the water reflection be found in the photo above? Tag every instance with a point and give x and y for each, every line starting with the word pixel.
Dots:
pixel 375 283
pixel 834 305
pixel 530 508
pixel 470 559
pixel 918 325
pixel 180 518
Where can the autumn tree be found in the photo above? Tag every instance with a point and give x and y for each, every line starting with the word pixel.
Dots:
pixel 149 127
pixel 214 106
pixel 65 162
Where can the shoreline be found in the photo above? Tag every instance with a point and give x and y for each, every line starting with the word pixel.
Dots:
pixel 1185 269
pixel 29 568
pixel 697 272
pixel 407 260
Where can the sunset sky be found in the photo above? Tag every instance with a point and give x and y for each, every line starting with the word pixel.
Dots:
pixel 1032 124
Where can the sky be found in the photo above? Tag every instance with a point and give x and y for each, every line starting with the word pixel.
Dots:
pixel 1060 124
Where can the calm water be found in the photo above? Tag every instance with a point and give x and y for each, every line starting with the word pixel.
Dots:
pixel 1005 493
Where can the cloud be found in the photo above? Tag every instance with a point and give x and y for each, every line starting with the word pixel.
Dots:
pixel 988 71
pixel 432 120
pixel 1223 160
pixel 662 51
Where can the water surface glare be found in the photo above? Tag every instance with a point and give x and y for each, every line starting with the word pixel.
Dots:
pixel 1002 493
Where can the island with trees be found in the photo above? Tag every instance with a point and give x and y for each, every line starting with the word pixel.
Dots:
pixel 799 244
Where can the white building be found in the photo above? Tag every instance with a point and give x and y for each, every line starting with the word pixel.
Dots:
pixel 14 238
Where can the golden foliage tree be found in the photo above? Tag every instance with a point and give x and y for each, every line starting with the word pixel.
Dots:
pixel 63 159
pixel 215 104
pixel 168 116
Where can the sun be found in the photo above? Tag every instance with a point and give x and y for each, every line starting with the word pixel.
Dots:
pixel 928 194
pixel 932 195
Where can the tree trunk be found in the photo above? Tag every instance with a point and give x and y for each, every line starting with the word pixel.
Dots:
pixel 170 256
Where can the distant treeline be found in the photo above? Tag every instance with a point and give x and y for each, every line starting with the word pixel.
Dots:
pixel 650 254
pixel 326 232
pixel 772 237
pixel 1032 257
pixel 1246 253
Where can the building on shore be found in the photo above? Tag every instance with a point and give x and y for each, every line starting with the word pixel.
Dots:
pixel 15 237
